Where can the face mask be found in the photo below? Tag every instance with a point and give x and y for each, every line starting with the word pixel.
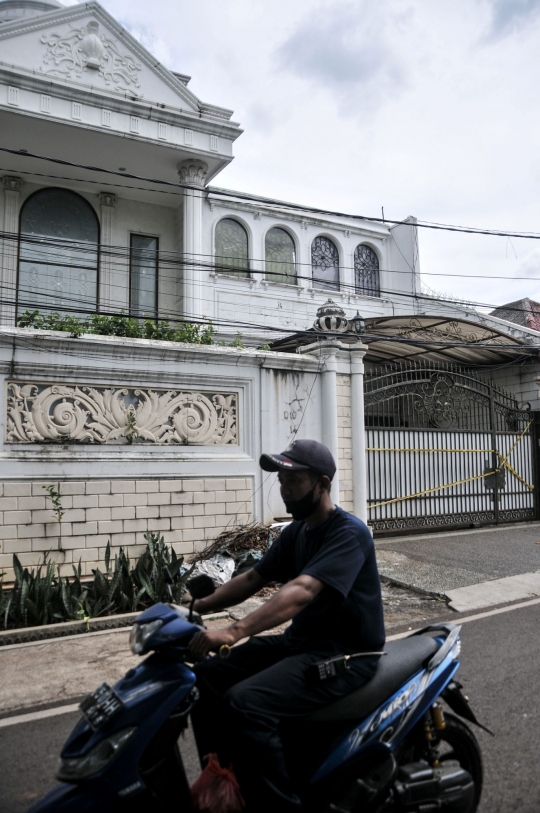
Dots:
pixel 300 509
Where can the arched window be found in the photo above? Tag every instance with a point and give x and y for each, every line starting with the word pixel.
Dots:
pixel 232 255
pixel 58 260
pixel 366 271
pixel 325 263
pixel 280 255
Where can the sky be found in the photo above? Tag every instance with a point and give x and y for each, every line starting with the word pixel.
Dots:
pixel 423 107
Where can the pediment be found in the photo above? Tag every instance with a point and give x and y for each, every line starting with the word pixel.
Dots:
pixel 84 45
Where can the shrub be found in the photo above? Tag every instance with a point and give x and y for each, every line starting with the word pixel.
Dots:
pixel 118 325
pixel 42 596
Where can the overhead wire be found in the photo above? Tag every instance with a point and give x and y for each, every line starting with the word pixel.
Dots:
pixel 272 201
pixel 270 307
pixel 117 254
pixel 171 257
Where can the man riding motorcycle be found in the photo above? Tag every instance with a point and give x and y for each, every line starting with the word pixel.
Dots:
pixel 325 560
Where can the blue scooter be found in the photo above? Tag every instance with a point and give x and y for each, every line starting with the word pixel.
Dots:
pixel 389 746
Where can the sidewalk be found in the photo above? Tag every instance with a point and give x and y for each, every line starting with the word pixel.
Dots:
pixel 62 670
pixel 472 569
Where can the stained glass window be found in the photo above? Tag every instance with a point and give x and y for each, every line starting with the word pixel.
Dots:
pixel 232 248
pixel 58 263
pixel 143 276
pixel 280 257
pixel 366 271
pixel 325 263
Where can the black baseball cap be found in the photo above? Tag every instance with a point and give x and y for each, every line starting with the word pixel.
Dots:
pixel 301 454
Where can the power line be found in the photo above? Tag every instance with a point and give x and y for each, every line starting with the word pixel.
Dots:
pixel 270 307
pixel 370 336
pixel 170 257
pixel 274 202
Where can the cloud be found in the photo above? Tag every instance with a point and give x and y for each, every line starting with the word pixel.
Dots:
pixel 530 266
pixel 511 16
pixel 148 39
pixel 344 47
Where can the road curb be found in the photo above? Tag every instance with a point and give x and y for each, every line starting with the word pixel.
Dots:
pixel 67 629
pixel 420 590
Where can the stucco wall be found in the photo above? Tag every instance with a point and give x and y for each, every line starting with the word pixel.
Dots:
pixel 520 382
pixel 203 415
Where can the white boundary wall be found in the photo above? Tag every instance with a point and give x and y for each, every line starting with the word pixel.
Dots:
pixel 115 492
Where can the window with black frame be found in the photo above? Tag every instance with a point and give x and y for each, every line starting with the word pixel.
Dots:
pixel 232 252
pixel 280 256
pixel 143 277
pixel 325 264
pixel 366 271
pixel 58 254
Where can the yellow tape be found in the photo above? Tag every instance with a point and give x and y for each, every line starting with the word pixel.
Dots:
pixel 382 449
pixel 429 490
pixel 514 472
pixel 504 463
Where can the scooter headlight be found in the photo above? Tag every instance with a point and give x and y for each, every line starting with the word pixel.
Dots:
pixel 71 770
pixel 140 633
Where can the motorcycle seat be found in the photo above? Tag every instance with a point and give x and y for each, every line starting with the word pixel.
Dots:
pixel 404 658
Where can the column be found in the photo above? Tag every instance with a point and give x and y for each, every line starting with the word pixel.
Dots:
pixel 193 172
pixel 8 277
pixel 327 352
pixel 358 440
pixel 112 291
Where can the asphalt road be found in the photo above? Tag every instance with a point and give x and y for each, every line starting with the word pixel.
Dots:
pixel 500 668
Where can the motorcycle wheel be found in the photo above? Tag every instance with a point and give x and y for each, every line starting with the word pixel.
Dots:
pixel 456 743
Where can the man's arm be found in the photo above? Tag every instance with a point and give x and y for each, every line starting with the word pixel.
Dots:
pixel 284 605
pixel 232 592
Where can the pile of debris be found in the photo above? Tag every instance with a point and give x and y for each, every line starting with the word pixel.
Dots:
pixel 234 552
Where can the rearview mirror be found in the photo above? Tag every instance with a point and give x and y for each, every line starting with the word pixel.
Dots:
pixel 201 586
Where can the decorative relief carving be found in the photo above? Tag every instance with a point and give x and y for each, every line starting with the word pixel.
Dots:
pixel 12 184
pixel 80 50
pixel 67 413
pixel 107 199
pixel 452 331
pixel 193 172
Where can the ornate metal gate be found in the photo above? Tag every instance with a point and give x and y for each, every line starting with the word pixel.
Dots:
pixel 445 448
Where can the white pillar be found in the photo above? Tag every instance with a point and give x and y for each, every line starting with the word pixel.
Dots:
pixel 193 172
pixel 111 291
pixel 8 277
pixel 326 352
pixel 358 440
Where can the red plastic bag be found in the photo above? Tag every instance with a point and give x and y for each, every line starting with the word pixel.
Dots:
pixel 217 790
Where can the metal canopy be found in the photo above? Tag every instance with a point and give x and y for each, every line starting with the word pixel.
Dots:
pixel 441 339
pixel 427 338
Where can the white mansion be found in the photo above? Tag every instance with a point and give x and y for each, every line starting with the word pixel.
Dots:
pixel 76 86
pixel 108 204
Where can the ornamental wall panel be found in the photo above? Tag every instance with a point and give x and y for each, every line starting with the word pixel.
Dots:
pixel 77 413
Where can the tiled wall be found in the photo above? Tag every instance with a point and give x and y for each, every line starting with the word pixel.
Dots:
pixel 190 513
pixel 344 442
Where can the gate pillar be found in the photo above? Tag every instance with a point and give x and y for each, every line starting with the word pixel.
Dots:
pixel 327 352
pixel 358 431
pixel 331 353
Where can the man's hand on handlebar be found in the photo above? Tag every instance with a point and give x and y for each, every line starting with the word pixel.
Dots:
pixel 210 641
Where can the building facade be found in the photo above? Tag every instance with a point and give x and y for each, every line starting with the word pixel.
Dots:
pixel 109 204
pixel 76 87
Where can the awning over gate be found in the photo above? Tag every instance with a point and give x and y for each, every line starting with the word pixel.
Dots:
pixel 429 338
pixel 441 339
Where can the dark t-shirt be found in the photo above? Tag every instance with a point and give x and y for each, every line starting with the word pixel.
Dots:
pixel 347 615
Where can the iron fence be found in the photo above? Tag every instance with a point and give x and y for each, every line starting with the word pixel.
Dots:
pixel 445 448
